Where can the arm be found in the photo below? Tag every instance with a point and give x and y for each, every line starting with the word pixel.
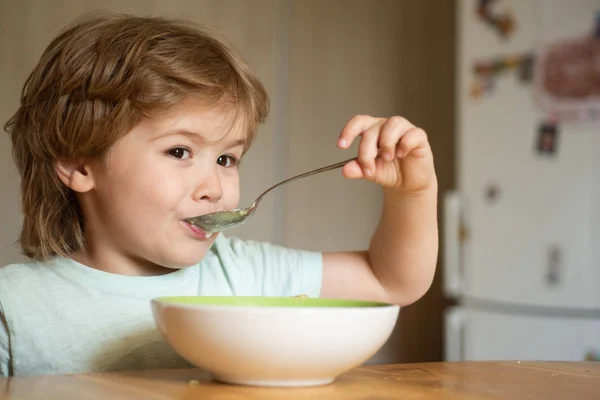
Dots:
pixel 400 263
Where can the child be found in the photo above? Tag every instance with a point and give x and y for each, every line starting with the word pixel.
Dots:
pixel 128 126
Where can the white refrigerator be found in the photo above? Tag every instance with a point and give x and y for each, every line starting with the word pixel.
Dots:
pixel 522 229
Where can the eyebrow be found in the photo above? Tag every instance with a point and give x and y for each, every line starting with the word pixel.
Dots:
pixel 199 138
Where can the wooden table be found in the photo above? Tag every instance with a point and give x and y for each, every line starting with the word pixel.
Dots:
pixel 464 380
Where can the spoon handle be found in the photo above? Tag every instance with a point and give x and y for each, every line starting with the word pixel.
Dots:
pixel 315 171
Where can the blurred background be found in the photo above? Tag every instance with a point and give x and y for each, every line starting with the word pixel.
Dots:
pixel 507 91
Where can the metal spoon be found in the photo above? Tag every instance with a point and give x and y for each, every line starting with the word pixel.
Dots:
pixel 222 220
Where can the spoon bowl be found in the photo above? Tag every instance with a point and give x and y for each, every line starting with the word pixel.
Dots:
pixel 222 220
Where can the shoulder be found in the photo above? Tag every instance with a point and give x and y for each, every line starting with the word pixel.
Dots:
pixel 12 271
pixel 27 278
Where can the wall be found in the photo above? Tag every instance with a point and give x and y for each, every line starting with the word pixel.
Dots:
pixel 393 59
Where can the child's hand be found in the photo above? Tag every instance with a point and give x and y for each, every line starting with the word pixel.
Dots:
pixel 392 152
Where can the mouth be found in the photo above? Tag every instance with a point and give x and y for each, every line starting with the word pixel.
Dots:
pixel 197 232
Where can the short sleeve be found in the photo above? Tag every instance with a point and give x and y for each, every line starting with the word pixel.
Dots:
pixel 4 345
pixel 265 269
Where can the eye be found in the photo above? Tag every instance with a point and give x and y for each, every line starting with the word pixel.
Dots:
pixel 180 153
pixel 227 161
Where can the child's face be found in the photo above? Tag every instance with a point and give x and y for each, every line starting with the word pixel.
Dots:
pixel 176 165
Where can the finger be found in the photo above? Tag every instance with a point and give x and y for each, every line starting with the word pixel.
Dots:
pixel 355 127
pixel 368 149
pixel 414 139
pixel 352 170
pixel 393 129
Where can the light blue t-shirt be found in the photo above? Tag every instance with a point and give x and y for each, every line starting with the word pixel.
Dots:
pixel 61 317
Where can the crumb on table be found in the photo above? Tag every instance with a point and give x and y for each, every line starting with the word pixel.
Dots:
pixel 300 296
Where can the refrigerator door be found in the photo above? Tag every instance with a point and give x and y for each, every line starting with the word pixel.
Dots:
pixel 527 218
pixel 489 335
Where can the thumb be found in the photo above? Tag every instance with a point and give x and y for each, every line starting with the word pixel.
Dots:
pixel 352 170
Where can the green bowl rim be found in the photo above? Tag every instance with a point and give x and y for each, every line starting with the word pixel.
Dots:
pixel 270 302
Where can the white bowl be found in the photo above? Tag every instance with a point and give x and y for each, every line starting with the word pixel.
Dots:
pixel 273 341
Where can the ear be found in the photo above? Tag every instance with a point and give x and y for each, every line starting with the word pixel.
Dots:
pixel 77 175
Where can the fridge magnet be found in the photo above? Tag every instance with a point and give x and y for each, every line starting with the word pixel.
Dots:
pixel 547 138
pixel 554 261
pixel 592 355
pixel 482 86
pixel 526 68
pixel 492 193
pixel 566 78
pixel 500 19
pixel 486 72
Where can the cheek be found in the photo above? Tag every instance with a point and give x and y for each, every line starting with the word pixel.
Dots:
pixel 163 191
pixel 231 193
pixel 146 191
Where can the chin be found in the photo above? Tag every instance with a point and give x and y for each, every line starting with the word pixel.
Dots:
pixel 186 253
pixel 182 262
pixel 185 258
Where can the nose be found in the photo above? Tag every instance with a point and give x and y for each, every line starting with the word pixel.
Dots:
pixel 208 186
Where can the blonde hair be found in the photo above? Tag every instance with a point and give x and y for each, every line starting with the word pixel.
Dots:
pixel 93 84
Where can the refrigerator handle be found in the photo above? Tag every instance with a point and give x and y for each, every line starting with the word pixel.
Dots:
pixel 455 334
pixel 452 237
